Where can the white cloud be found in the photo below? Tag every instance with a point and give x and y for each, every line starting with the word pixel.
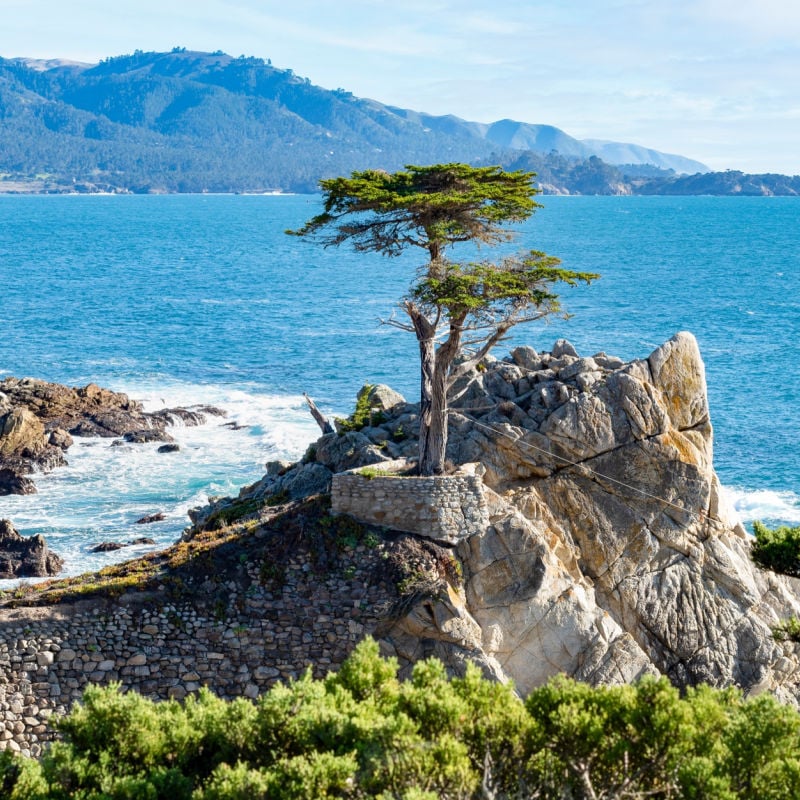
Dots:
pixel 655 72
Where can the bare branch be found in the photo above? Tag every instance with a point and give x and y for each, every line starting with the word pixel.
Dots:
pixel 393 323
pixel 466 366
pixel 319 418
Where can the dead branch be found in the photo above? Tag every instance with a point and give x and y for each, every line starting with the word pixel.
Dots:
pixel 319 417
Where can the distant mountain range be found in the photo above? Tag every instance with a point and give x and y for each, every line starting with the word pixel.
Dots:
pixel 191 122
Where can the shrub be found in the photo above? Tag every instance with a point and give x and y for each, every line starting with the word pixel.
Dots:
pixel 363 415
pixel 787 629
pixel 777 549
pixel 362 732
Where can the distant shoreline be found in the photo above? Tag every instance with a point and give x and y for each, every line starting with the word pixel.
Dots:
pixel 5 191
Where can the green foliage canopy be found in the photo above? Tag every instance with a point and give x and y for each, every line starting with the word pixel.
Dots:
pixel 430 207
pixel 777 549
pixel 363 733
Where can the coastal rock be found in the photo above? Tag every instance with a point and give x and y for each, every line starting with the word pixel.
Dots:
pixel 190 417
pixel 61 439
pixel 169 448
pixel 21 433
pixel 383 398
pixel 526 357
pixel 13 481
pixel 106 547
pixel 25 557
pixel 610 552
pixel 110 547
pixel 339 452
pixel 147 435
pixel 159 516
pixel 563 348
pixel 305 481
pixel 38 421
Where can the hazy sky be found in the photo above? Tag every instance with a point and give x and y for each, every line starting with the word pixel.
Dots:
pixel 715 80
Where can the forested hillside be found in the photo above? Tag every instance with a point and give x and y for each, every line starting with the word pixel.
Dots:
pixel 207 122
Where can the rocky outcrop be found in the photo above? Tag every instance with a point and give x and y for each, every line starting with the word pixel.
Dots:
pixel 110 547
pixel 609 552
pixel 25 557
pixel 38 420
pixel 604 550
pixel 148 519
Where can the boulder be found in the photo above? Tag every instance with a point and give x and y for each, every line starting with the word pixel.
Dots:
pixel 147 435
pixel 14 482
pixel 60 438
pixel 383 398
pixel 110 547
pixel 21 433
pixel 278 467
pixel 25 557
pixel 527 358
pixel 304 481
pixel 106 547
pixel 339 452
pixel 169 448
pixel 159 516
pixel 563 348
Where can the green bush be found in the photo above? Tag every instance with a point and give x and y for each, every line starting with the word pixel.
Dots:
pixel 361 732
pixel 777 549
pixel 363 414
pixel 787 629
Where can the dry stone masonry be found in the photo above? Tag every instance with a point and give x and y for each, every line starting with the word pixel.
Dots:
pixel 444 508
pixel 238 644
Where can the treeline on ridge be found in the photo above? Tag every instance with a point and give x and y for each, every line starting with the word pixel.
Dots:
pixel 207 122
pixel 363 733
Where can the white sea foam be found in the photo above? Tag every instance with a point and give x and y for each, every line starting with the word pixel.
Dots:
pixel 765 505
pixel 106 488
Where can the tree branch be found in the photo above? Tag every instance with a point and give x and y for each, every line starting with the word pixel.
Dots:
pixel 466 366
pixel 319 417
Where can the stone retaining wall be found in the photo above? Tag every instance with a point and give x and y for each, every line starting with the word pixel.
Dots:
pixel 162 649
pixel 444 508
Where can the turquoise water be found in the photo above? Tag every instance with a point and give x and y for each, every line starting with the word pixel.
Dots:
pixel 182 299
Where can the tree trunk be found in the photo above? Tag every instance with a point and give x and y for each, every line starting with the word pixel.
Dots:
pixel 431 449
pixel 434 368
pixel 433 411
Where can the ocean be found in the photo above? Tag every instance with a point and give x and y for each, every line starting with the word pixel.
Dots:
pixel 187 299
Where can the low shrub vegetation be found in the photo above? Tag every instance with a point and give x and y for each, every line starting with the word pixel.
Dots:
pixel 787 630
pixel 363 733
pixel 363 415
pixel 777 549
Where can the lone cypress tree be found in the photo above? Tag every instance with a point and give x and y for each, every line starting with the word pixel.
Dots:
pixel 454 307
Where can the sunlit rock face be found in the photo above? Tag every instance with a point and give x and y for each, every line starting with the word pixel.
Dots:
pixel 610 552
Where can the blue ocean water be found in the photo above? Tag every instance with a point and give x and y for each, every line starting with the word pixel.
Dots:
pixel 186 299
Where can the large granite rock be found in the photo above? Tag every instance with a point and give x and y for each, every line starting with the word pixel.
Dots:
pixel 25 557
pixel 610 552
